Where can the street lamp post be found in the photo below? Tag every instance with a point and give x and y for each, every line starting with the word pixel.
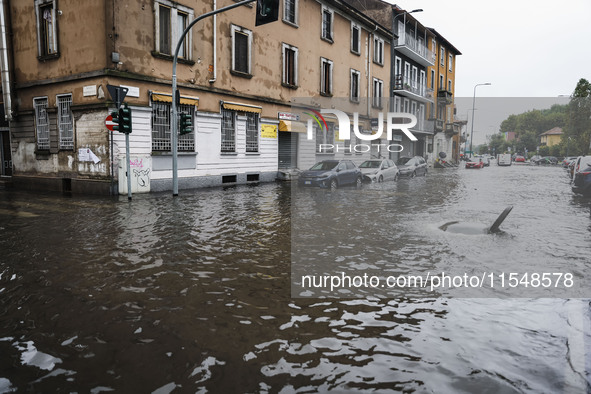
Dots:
pixel 473 107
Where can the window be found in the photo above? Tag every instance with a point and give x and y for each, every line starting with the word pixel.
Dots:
pixel 378 89
pixel 441 83
pixel 449 85
pixel 325 77
pixel 65 121
pixel 290 65
pixel 46 28
pixel 171 20
pixel 378 50
pixel 228 130
pixel 450 62
pixel 442 56
pixel 433 79
pixel 290 11
pixel 241 49
pixel 355 39
pixel 41 123
pixel 327 18
pixel 252 132
pixel 355 79
pixel 326 137
pixel 161 112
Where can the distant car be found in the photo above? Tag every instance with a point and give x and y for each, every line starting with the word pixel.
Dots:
pixel 551 159
pixel 485 160
pixel 379 170
pixel 539 160
pixel 331 174
pixel 519 159
pixel 504 159
pixel 568 160
pixel 582 177
pixel 412 166
pixel 475 162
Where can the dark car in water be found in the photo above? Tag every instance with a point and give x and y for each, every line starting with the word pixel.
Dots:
pixel 412 166
pixel 331 174
pixel 582 177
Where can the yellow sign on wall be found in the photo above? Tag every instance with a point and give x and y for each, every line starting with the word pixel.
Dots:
pixel 268 131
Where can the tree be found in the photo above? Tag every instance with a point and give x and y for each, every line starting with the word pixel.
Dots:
pixel 579 119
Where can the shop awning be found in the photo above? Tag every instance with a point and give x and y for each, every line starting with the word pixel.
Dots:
pixel 242 107
pixel 167 98
pixel 292 126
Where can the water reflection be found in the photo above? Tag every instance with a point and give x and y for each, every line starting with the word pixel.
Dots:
pixel 192 293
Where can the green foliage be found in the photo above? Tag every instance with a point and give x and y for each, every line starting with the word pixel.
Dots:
pixel 578 130
pixel 544 150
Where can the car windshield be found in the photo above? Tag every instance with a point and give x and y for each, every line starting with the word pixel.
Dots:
pixel 403 160
pixel 324 166
pixel 370 164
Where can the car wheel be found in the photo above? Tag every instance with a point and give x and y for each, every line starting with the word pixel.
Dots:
pixel 414 173
pixel 396 178
pixel 359 182
pixel 333 184
pixel 380 179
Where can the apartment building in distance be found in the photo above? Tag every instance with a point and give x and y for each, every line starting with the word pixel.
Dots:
pixel 236 80
pixel 442 77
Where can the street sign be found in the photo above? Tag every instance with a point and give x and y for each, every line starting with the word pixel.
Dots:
pixel 117 93
pixel 109 122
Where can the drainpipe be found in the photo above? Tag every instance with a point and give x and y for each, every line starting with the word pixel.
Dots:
pixel 214 39
pixel 4 71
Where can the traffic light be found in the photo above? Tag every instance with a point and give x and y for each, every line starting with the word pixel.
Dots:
pixel 115 116
pixel 125 119
pixel 186 125
pixel 267 11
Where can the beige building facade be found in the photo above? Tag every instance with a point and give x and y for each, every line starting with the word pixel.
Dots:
pixel 236 80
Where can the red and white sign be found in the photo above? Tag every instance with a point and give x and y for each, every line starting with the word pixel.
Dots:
pixel 109 122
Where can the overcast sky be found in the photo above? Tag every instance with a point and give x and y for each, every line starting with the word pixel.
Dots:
pixel 524 48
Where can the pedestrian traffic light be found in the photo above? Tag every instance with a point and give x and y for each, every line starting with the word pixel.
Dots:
pixel 186 125
pixel 267 11
pixel 115 116
pixel 125 119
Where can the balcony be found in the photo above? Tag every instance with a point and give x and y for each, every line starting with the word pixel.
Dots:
pixel 444 97
pixel 409 46
pixel 416 90
pixel 451 129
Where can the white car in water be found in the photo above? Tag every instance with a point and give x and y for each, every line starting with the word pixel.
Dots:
pixel 379 170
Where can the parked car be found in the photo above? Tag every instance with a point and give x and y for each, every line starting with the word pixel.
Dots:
pixel 519 159
pixel 485 160
pixel 331 174
pixel 412 166
pixel 551 159
pixel 476 162
pixel 379 170
pixel 539 160
pixel 582 177
pixel 568 160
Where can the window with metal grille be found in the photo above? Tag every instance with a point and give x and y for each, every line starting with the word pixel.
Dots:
pixel 325 137
pixel 41 123
pixel 252 132
pixel 65 121
pixel 161 112
pixel 46 28
pixel 228 130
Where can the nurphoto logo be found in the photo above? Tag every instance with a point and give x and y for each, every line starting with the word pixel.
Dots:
pixel 394 121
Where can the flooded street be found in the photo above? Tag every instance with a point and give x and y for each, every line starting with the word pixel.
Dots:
pixel 196 294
